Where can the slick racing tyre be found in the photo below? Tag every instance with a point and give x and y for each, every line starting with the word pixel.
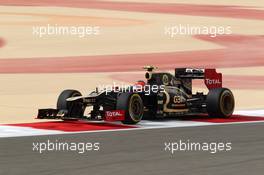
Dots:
pixel 75 109
pixel 220 102
pixel 133 105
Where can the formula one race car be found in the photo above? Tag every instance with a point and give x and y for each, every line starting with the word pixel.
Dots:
pixel 162 95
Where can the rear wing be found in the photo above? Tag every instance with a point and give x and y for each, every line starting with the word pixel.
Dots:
pixel 212 79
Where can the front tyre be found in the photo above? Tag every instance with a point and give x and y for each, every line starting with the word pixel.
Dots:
pixel 220 102
pixel 133 106
pixel 74 108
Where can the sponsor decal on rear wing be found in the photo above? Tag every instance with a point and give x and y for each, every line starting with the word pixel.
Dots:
pixel 212 79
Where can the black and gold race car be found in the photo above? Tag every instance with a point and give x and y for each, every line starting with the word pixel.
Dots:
pixel 161 95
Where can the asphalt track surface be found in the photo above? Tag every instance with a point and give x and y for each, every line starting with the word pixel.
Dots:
pixel 141 152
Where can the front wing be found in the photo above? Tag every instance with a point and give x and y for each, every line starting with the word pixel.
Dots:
pixel 113 115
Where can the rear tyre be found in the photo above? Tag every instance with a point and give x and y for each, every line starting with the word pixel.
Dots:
pixel 133 105
pixel 220 102
pixel 75 109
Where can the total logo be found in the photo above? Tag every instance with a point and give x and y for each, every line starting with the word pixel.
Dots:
pixel 113 113
pixel 213 81
pixel 116 115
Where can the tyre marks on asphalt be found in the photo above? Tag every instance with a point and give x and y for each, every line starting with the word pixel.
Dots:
pixel 238 51
pixel 167 8
pixel 2 42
